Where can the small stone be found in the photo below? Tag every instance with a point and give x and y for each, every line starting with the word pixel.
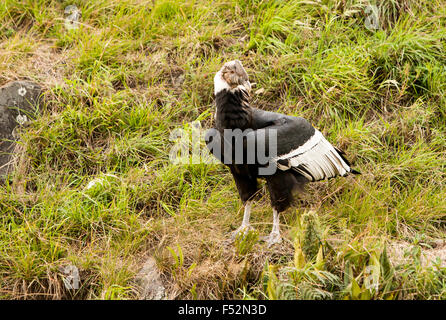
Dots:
pixel 148 280
pixel 94 183
pixel 73 16
pixel 71 278
pixel 178 81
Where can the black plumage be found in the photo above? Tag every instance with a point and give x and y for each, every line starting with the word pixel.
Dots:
pixel 302 153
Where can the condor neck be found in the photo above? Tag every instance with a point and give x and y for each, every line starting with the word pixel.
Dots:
pixel 233 110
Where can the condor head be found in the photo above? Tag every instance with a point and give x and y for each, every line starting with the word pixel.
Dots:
pixel 232 75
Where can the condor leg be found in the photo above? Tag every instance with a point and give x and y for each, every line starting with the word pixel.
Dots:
pixel 245 227
pixel 274 237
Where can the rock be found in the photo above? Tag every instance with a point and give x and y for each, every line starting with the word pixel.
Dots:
pixel 148 280
pixel 399 253
pixel 178 81
pixel 71 277
pixel 18 104
pixel 73 15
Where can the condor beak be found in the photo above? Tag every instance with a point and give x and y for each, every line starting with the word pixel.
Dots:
pixel 242 74
pixel 240 70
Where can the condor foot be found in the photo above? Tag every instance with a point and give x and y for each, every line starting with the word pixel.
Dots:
pixel 242 231
pixel 272 239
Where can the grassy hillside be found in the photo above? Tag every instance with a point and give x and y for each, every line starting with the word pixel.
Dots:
pixel 135 70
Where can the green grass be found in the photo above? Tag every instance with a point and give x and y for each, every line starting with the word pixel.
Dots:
pixel 135 70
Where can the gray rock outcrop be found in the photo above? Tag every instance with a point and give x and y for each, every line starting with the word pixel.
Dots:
pixel 19 102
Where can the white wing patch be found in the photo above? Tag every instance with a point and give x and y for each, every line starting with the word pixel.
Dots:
pixel 316 159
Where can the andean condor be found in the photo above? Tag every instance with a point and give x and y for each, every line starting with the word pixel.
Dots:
pixel 302 153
